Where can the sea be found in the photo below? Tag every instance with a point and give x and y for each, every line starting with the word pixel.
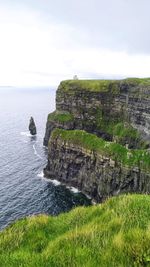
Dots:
pixel 23 189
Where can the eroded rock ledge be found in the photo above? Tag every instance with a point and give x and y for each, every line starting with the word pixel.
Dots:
pixel 99 136
pixel 98 168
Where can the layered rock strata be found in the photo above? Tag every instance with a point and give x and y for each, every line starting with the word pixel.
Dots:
pixel 115 110
pixel 99 136
pixel 99 170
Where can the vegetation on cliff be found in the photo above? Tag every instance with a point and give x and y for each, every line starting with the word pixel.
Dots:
pixel 112 86
pixel 124 130
pixel 128 157
pixel 138 81
pixel 113 109
pixel 60 117
pixel 121 131
pixel 90 85
pixel 115 233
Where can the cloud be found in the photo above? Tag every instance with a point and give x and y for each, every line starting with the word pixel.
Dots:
pixel 43 42
pixel 112 24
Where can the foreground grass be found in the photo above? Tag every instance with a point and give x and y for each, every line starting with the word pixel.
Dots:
pixel 127 157
pixel 116 233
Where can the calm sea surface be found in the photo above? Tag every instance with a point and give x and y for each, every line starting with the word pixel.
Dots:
pixel 23 190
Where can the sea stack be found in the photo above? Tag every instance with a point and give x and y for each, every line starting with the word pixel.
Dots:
pixel 32 126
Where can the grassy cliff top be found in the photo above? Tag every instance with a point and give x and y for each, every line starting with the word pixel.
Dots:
pixel 117 152
pixel 89 85
pixel 61 117
pixel 115 233
pixel 102 85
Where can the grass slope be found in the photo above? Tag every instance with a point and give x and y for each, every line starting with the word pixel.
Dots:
pixel 115 233
pixel 127 157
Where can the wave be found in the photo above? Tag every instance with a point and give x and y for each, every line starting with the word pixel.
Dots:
pixel 41 174
pixel 74 190
pixel 77 191
pixel 53 181
pixel 35 152
pixel 26 134
pixel 56 183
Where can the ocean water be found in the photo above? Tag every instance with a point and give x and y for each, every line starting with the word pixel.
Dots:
pixel 23 190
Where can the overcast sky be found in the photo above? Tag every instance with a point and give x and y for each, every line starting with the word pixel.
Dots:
pixel 45 41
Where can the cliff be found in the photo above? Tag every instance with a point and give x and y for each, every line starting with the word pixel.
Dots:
pixel 102 144
pixel 115 110
pixel 115 233
pixel 98 168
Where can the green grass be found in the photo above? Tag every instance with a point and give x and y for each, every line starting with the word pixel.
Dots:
pixel 90 85
pixel 116 128
pixel 119 153
pixel 138 81
pixel 127 130
pixel 124 133
pixel 112 86
pixel 113 234
pixel 60 117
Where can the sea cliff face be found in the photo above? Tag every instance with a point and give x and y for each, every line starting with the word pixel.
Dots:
pixel 115 110
pixel 98 168
pixel 117 114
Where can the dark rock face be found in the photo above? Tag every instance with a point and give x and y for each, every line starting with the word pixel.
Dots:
pixel 32 126
pixel 96 175
pixel 99 111
pixel 51 125
pixel 118 112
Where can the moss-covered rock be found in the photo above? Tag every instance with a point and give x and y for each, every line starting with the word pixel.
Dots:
pixel 60 117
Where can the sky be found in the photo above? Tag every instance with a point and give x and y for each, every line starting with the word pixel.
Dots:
pixel 45 41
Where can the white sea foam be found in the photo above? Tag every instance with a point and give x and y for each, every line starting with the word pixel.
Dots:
pixel 35 152
pixel 76 191
pixel 26 134
pixel 55 182
pixel 73 189
pixel 41 174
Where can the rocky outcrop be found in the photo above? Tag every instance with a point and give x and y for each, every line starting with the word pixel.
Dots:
pixel 99 172
pixel 32 126
pixel 55 120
